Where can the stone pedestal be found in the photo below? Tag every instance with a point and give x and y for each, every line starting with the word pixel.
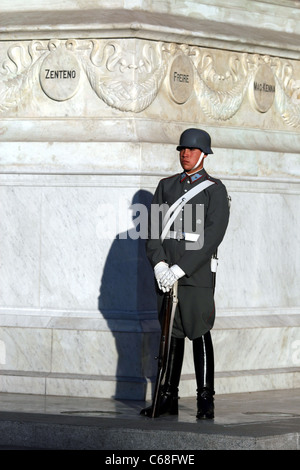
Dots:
pixel 93 102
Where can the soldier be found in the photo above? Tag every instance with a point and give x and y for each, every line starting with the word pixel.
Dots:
pixel 185 258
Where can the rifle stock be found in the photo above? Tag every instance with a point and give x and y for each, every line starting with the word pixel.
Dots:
pixel 163 352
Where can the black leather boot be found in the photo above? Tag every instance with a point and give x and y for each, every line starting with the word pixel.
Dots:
pixel 204 370
pixel 205 404
pixel 169 398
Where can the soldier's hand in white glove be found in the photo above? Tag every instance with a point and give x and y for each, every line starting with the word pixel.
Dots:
pixel 170 277
pixel 159 270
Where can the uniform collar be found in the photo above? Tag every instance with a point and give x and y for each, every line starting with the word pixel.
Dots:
pixel 194 177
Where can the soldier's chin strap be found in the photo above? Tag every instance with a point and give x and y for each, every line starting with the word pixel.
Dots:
pixel 199 161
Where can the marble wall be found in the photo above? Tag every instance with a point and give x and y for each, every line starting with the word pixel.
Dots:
pixel 90 118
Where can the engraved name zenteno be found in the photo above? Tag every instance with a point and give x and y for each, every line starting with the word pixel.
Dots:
pixel 64 74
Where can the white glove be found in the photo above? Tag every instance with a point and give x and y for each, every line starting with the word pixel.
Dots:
pixel 170 277
pixel 159 270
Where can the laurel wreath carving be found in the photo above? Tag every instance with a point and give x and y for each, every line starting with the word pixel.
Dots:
pixel 127 95
pixel 133 85
pixel 287 96
pixel 215 101
pixel 221 105
pixel 18 74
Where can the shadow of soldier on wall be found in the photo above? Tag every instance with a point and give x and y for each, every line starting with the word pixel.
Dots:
pixel 127 301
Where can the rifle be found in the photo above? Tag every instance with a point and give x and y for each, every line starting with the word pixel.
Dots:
pixel 169 307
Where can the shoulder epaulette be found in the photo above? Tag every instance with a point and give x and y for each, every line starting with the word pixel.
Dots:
pixel 169 177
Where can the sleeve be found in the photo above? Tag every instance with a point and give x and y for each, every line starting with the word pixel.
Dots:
pixel 215 225
pixel 154 248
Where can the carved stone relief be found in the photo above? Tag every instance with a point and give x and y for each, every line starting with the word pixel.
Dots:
pixel 60 72
pixel 124 77
pixel 181 78
pixel 262 89
pixel 127 74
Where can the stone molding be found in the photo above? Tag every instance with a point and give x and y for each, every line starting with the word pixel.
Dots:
pixel 233 24
pixel 127 75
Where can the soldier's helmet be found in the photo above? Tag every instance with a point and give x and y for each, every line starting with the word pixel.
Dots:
pixel 195 138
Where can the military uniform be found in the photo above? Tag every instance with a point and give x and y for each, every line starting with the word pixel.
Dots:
pixel 183 256
pixel 196 312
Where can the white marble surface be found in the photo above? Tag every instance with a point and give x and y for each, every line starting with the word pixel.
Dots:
pixel 240 25
pixel 77 306
pixel 54 288
pixel 26 349
pixel 260 252
pixel 70 254
pixel 20 245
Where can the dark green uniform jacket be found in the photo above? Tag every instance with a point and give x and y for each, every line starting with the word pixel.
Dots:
pixel 195 289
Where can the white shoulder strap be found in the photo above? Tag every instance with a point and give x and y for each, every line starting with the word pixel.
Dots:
pixel 177 206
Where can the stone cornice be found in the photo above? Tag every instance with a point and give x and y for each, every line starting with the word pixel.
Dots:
pixel 258 31
pixel 141 131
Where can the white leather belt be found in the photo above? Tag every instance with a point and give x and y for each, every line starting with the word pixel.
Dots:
pixel 177 206
pixel 189 237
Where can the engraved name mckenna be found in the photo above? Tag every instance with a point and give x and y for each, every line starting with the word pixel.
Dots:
pixel 264 87
pixel 50 74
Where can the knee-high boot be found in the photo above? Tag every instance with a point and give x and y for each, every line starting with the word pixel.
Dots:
pixel 169 396
pixel 204 370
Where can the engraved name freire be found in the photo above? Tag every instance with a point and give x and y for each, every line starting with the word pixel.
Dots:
pixel 180 77
pixel 264 87
pixel 59 74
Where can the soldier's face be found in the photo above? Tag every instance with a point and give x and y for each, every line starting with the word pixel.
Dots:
pixel 189 158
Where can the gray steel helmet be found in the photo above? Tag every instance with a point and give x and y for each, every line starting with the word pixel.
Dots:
pixel 195 138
